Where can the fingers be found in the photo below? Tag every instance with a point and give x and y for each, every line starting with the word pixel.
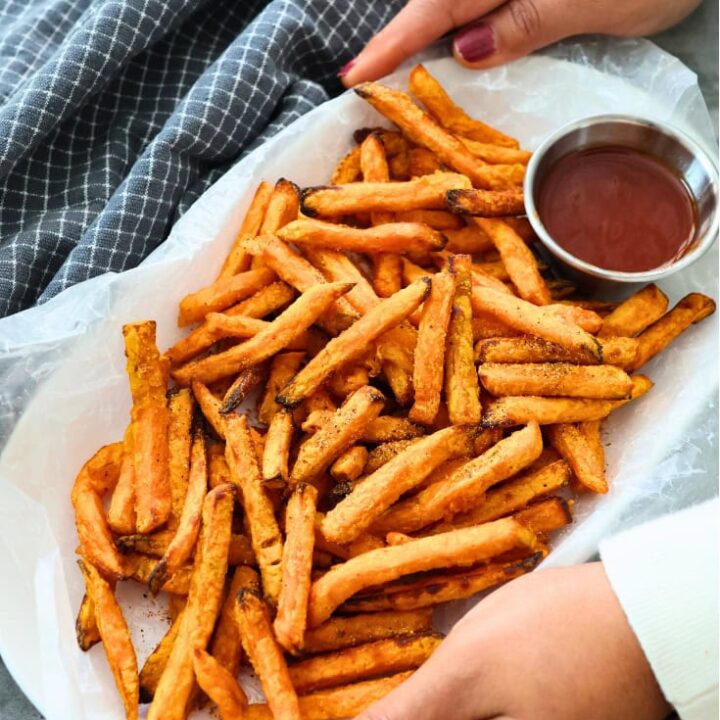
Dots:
pixel 416 26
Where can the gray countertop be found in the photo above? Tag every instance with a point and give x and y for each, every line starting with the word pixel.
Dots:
pixel 695 42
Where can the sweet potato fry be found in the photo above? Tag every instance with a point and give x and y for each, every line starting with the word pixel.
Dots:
pixel 690 310
pixel 340 432
pixel 99 474
pixel 344 632
pixel 586 319
pixel 483 279
pixel 382 657
pixel 253 621
pixel 518 259
pixel 377 492
pixel 155 664
pixel 496 154
pixel 385 452
pixel 430 349
pixel 180 417
pixel 555 379
pixel 115 638
pixel 278 334
pixel 423 162
pixel 424 193
pixel 348 169
pixel 390 237
pixel 469 240
pixel 210 407
pixel 188 526
pixel 86 629
pixel 388 428
pixel 350 465
pixel 486 203
pixel 465 488
pixel 277 446
pixel 572 444
pixel 242 386
pixel 592 431
pixel 438 219
pixel 342 702
pixel 461 386
pixel 347 380
pixel 222 294
pixel 638 312
pixel 454 549
pixel 238 260
pixel 352 343
pixel 431 94
pixel 259 513
pixel 220 685
pixel 283 207
pixel 283 368
pixel 387 273
pixel 545 516
pixel 121 513
pixel 265 301
pixel 289 625
pixel 374 168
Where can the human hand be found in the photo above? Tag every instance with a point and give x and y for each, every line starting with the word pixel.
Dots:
pixel 552 645
pixel 497 31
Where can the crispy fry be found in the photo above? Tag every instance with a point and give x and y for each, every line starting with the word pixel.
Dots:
pixel 347 380
pixel 592 431
pixel 470 240
pixel 340 432
pixel 424 193
pixel 556 379
pixel 242 386
pixel 429 91
pixel 438 219
pixel 461 385
pixel 283 207
pixel 283 368
pixel 265 301
pixel 253 621
pixel 115 638
pixel 277 446
pixel 260 517
pixel 430 349
pixel 496 154
pixel 289 625
pixel 210 407
pixel 573 445
pixel 352 343
pixel 545 516
pixel 586 319
pixel 635 314
pixel 486 327
pixel 385 452
pixel 388 428
pixel 454 549
pixel 487 203
pixel 382 657
pixel 222 294
pixel 180 417
pixel 466 487
pixel 377 492
pixel 220 685
pixel 121 513
pixel 350 465
pixel 155 664
pixel 422 161
pixel 390 237
pixel 387 274
pixel 86 629
pixel 348 169
pixel 690 310
pixel 374 167
pixel 278 334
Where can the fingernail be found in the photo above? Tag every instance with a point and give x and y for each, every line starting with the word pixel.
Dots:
pixel 345 69
pixel 475 43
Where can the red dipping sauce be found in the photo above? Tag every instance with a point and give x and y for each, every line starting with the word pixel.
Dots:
pixel 617 208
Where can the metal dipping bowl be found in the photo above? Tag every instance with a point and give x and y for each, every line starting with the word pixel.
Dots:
pixel 693 164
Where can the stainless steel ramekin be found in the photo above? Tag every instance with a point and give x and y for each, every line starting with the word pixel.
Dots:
pixel 673 147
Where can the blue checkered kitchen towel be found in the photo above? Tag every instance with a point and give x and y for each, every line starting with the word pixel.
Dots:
pixel 115 115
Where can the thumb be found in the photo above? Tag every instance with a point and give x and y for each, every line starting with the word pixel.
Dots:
pixel 512 31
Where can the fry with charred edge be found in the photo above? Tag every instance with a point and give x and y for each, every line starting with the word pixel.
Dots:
pixel 253 621
pixel 86 629
pixel 180 412
pixel 690 310
pixel 518 259
pixel 121 513
pixel 226 646
pixel 461 384
pixel 391 237
pixel 154 666
pixel 222 294
pixel 220 685
pixel 283 207
pixel 204 599
pixel 343 632
pixel 382 657
pixel 377 492
pixel 342 430
pixel 458 548
pixel 348 169
pixel 115 638
pixel 545 516
pixel 350 465
pixel 188 527
pixel 423 193
pixel 340 702
pixel 353 342
pixel 265 301
pixel 388 428
pixel 421 129
pixel 276 336
pixel 529 318
pixel 238 260
pixel 496 154
pixel 277 446
pixel 283 368
pixel 242 386
pixel 138 567
pixel 432 94
pixel 210 407
pixel 573 446
pixel 430 348
pixel 259 513
pixel 289 625
pixel 638 312
pixel 465 487
pixel 385 452
pixel 98 475
pixel 444 587
pixel 469 240
pixel 618 351
pixel 603 382
pixel 487 203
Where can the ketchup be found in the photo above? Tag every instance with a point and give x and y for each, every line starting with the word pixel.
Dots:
pixel 617 208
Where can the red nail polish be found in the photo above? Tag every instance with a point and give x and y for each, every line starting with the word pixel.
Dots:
pixel 475 43
pixel 345 69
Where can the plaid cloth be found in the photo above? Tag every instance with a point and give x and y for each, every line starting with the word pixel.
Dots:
pixel 115 115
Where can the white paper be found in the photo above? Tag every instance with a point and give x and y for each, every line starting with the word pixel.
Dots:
pixel 63 382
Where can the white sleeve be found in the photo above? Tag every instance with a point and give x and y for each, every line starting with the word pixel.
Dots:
pixel 665 575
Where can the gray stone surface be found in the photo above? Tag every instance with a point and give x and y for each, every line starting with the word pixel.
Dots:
pixel 695 42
